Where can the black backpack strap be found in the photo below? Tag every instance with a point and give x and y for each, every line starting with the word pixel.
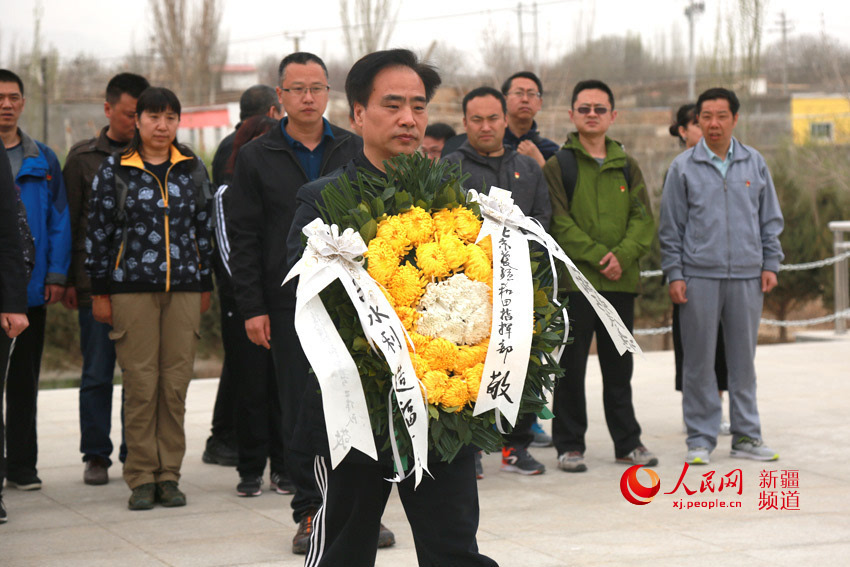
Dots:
pixel 569 171
pixel 202 184
pixel 627 173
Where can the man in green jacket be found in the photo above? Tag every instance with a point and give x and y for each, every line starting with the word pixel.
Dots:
pixel 603 222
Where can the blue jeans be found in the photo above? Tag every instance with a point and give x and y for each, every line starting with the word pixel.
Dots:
pixel 96 388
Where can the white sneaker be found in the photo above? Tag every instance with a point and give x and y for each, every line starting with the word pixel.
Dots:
pixel 749 448
pixel 725 427
pixel 698 456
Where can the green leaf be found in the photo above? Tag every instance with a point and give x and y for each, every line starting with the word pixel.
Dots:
pixel 369 230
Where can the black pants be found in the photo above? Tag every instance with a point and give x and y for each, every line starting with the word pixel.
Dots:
pixel 570 407
pixel 5 345
pixel 259 426
pixel 442 512
pixel 22 396
pixel 521 436
pixel 719 357
pixel 224 411
pixel 293 376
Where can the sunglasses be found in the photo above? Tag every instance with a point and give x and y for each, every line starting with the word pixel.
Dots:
pixel 599 110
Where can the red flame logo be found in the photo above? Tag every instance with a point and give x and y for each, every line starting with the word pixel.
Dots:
pixel 634 491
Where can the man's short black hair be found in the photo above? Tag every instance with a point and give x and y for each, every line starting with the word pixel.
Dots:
pixel 718 93
pixel 506 86
pixel 358 83
pixel 485 91
pixel 592 84
pixel 129 83
pixel 256 100
pixel 300 58
pixel 440 131
pixel 7 76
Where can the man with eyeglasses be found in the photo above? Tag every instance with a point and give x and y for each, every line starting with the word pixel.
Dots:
pixel 260 207
pixel 601 217
pixel 524 94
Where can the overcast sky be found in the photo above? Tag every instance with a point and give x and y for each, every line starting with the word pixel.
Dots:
pixel 108 30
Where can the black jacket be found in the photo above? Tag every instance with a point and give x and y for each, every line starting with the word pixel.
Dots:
pixel 13 279
pixel 260 207
pixel 517 173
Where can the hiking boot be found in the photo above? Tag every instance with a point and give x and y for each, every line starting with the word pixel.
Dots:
pixel 250 486
pixel 479 468
pixel 281 484
pixel 572 461
pixel 301 541
pixel 749 448
pixel 519 460
pixel 220 452
pixel 26 482
pixel 169 495
pixel 3 517
pixel 385 537
pixel 639 456
pixel 698 456
pixel 541 438
pixel 96 471
pixel 142 497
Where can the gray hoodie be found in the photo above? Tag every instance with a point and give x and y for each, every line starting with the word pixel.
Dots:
pixel 518 174
pixel 719 228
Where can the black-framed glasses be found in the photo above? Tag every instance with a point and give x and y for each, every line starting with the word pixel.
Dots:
pixel 314 90
pixel 529 94
pixel 600 110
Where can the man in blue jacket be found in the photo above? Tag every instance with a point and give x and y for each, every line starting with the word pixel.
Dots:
pixel 720 251
pixel 39 177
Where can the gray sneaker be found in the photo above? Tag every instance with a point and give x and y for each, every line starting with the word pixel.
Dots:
pixel 698 456
pixel 639 456
pixel 748 448
pixel 572 461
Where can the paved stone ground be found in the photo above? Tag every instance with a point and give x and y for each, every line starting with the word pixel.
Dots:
pixel 556 519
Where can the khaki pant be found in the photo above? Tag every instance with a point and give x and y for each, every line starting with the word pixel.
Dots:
pixel 156 335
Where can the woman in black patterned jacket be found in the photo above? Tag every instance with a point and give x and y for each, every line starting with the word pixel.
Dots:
pixel 149 246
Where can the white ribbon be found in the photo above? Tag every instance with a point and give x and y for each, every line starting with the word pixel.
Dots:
pixel 512 326
pixel 330 256
pixel 501 213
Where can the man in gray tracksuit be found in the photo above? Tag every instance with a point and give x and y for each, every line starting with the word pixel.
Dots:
pixel 720 250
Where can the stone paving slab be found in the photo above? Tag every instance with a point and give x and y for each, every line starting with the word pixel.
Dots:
pixel 552 520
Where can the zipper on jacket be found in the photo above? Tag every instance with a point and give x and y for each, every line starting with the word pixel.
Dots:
pixel 728 236
pixel 164 194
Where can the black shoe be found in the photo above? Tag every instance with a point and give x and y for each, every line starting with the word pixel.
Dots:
pixel 169 495
pixel 3 517
pixel 26 482
pixel 281 484
pixel 219 452
pixel 301 541
pixel 385 537
pixel 142 497
pixel 250 486
pixel 95 472
pixel 519 460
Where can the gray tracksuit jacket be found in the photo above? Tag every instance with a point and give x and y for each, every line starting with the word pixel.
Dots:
pixel 719 228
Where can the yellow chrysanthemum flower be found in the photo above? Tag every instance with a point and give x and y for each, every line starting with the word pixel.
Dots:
pixel 419 365
pixel 382 260
pixel 444 222
pixel 436 383
pixel 472 377
pixel 455 394
pixel 486 244
pixel 420 342
pixel 419 225
pixel 469 356
pixel 466 224
pixel 478 267
pixel 431 261
pixel 394 232
pixel 406 286
pixel 453 251
pixel 408 316
pixel 440 354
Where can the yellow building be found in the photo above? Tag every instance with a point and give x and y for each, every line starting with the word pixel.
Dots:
pixel 820 118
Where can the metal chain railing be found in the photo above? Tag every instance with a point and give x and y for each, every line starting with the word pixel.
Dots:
pixel 782 268
pixel 841 315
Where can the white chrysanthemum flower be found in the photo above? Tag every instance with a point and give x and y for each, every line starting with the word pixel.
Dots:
pixel 457 309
